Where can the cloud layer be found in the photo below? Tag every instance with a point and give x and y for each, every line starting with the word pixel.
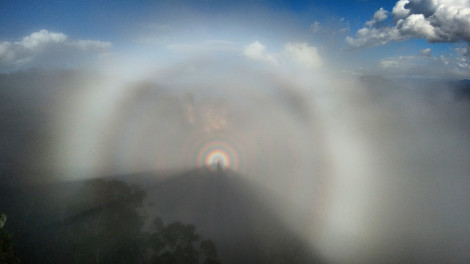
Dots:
pixel 433 20
pixel 45 48
pixel 425 64
pixel 300 53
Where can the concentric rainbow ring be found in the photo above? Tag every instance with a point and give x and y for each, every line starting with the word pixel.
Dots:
pixel 218 153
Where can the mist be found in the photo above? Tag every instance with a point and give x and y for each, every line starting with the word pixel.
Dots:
pixel 340 130
pixel 363 169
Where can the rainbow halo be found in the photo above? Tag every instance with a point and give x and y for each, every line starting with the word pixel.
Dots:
pixel 218 154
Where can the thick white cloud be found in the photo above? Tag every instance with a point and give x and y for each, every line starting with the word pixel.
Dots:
pixel 399 11
pixel 45 48
pixel 41 38
pixel 257 51
pixel 418 26
pixel 300 53
pixel 304 54
pixel 433 20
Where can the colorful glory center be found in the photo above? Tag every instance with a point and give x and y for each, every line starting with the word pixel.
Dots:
pixel 218 154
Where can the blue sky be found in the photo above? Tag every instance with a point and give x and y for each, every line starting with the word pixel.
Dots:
pixel 111 19
pixel 150 27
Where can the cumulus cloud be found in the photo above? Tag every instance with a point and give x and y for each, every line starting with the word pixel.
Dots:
pixel 45 48
pixel 304 54
pixel 374 37
pixel 257 51
pixel 425 52
pixel 433 20
pixel 298 52
pixel 379 16
pixel 399 11
pixel 41 38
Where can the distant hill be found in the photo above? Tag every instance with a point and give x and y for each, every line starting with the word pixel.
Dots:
pixel 379 86
pixel 228 210
pixel 462 89
pixel 223 206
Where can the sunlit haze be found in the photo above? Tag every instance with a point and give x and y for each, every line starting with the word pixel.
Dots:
pixel 350 118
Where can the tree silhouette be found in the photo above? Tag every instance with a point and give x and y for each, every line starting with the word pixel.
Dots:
pixel 105 226
pixel 7 250
pixel 102 222
pixel 175 244
pixel 210 252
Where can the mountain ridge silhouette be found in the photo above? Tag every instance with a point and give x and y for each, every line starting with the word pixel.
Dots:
pixel 228 209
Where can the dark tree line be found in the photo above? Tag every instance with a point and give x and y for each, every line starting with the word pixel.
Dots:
pixel 8 252
pixel 104 223
pixel 175 243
